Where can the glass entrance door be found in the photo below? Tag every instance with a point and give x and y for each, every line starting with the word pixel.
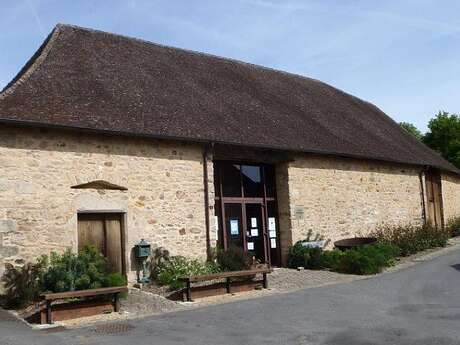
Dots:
pixel 246 210
pixel 245 228
pixel 256 232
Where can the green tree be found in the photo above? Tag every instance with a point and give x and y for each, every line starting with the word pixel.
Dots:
pixel 444 136
pixel 412 129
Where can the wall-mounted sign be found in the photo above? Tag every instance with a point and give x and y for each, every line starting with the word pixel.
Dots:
pixel 234 227
pixel 299 212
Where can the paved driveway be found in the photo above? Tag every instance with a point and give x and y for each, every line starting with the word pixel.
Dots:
pixel 419 305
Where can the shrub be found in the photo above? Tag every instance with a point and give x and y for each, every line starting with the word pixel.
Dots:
pixel 369 259
pixel 411 239
pixel 61 272
pixel 301 256
pixel 169 272
pixel 23 284
pixel 70 271
pixel 233 259
pixel 115 279
pixel 453 226
pixel 331 259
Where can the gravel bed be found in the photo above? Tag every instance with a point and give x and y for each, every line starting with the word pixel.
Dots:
pixel 285 279
pixel 145 303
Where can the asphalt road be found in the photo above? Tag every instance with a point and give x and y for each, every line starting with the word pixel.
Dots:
pixel 419 305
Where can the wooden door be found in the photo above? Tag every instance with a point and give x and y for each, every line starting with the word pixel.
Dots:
pixel 114 248
pixel 103 231
pixel 91 232
pixel 434 205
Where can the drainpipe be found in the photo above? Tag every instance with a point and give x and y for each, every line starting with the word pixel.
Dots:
pixel 206 201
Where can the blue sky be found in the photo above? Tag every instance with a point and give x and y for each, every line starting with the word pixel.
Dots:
pixel 403 56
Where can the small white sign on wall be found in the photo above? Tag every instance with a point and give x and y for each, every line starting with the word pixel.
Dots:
pixel 299 212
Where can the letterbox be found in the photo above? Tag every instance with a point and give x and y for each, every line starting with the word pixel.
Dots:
pixel 142 249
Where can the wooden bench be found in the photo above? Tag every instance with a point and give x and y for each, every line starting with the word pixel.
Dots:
pixel 50 297
pixel 224 275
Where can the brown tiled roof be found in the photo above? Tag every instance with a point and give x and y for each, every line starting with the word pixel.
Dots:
pixel 87 79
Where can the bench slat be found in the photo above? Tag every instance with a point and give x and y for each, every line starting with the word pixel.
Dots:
pixel 225 275
pixel 83 293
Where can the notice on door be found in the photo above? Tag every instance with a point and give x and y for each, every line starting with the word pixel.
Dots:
pixel 254 232
pixel 271 223
pixel 250 245
pixel 234 227
pixel 253 222
pixel 273 242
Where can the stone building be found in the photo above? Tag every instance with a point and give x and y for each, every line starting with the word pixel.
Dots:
pixel 109 140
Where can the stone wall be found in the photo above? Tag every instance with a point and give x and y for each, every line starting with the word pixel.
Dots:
pixel 451 196
pixel 339 197
pixel 164 203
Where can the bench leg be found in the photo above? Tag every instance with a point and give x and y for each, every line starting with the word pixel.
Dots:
pixel 227 285
pixel 265 281
pixel 49 313
pixel 189 291
pixel 116 302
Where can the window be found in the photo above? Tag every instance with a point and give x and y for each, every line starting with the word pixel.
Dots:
pixel 252 181
pixel 231 179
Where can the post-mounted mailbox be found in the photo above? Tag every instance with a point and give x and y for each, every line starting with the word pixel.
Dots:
pixel 142 252
pixel 142 249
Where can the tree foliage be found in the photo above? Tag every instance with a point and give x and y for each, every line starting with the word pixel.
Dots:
pixel 412 129
pixel 444 136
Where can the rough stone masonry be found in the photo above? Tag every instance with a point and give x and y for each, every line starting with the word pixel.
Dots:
pixel 164 200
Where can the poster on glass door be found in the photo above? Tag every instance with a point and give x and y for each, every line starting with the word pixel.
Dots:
pixel 234 227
